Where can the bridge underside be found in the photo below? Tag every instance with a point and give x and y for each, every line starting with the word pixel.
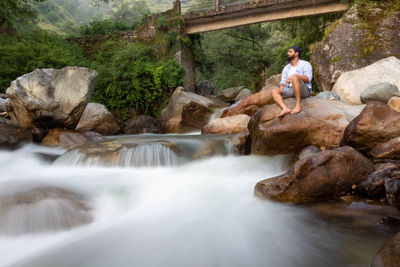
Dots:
pixel 244 14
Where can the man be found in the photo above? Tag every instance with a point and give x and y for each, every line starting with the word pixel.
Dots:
pixel 295 82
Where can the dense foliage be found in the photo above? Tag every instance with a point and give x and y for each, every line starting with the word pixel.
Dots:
pixel 130 76
pixel 238 56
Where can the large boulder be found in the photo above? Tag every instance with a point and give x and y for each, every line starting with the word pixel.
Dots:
pixel 380 92
pixel 387 150
pixel 324 175
pixel 229 94
pixel 389 254
pixel 187 111
pixel 49 98
pixel 69 138
pixel 32 207
pixel 227 125
pixel 377 123
pixel 143 124
pixel 368 32
pixel 321 123
pixel 12 135
pixel 351 84
pixel 98 118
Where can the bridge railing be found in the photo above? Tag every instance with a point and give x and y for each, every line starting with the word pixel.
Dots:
pixel 201 5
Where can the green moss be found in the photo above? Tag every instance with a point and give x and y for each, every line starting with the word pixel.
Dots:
pixel 336 59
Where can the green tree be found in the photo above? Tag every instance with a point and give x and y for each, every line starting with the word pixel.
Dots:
pixel 15 11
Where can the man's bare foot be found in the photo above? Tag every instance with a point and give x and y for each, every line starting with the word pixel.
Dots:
pixel 283 112
pixel 295 110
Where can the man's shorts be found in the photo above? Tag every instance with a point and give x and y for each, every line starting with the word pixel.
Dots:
pixel 288 91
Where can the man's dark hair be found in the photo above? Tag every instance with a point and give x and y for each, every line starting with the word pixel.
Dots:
pixel 296 49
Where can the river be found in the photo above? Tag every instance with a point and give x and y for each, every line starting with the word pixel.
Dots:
pixel 198 212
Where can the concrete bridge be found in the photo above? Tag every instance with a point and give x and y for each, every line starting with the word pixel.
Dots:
pixel 221 16
pixel 209 15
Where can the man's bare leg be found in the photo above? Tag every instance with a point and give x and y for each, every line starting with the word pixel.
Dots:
pixel 259 99
pixel 297 94
pixel 277 96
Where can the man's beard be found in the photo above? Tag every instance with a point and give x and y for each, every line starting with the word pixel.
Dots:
pixel 290 58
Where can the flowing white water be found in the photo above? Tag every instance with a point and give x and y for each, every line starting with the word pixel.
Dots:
pixel 202 213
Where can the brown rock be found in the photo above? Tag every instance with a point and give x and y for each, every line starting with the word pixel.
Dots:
pixel 328 174
pixel 69 138
pixel 96 117
pixel 187 112
pixel 12 135
pixel 394 103
pixel 143 124
pixel 377 123
pixel 389 254
pixel 321 123
pixel 387 150
pixel 227 125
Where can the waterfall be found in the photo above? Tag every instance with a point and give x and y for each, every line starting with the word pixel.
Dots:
pixel 148 155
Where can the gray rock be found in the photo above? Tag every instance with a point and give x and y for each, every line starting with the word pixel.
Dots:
pixel 4 105
pixel 49 98
pixel 380 92
pixel 344 49
pixel 350 85
pixel 96 117
pixel 229 94
pixel 243 94
pixel 328 95
pixel 12 135
pixel 205 88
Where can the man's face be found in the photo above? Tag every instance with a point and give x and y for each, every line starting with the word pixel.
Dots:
pixel 291 54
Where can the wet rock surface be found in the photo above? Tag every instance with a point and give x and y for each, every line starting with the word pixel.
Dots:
pixel 12 135
pixel 325 175
pixel 98 118
pixel 69 138
pixel 31 208
pixel 321 123
pixel 389 254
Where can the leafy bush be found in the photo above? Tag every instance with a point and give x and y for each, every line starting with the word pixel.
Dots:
pixel 21 54
pixel 103 26
pixel 133 79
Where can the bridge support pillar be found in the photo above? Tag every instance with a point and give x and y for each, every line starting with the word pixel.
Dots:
pixel 185 58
